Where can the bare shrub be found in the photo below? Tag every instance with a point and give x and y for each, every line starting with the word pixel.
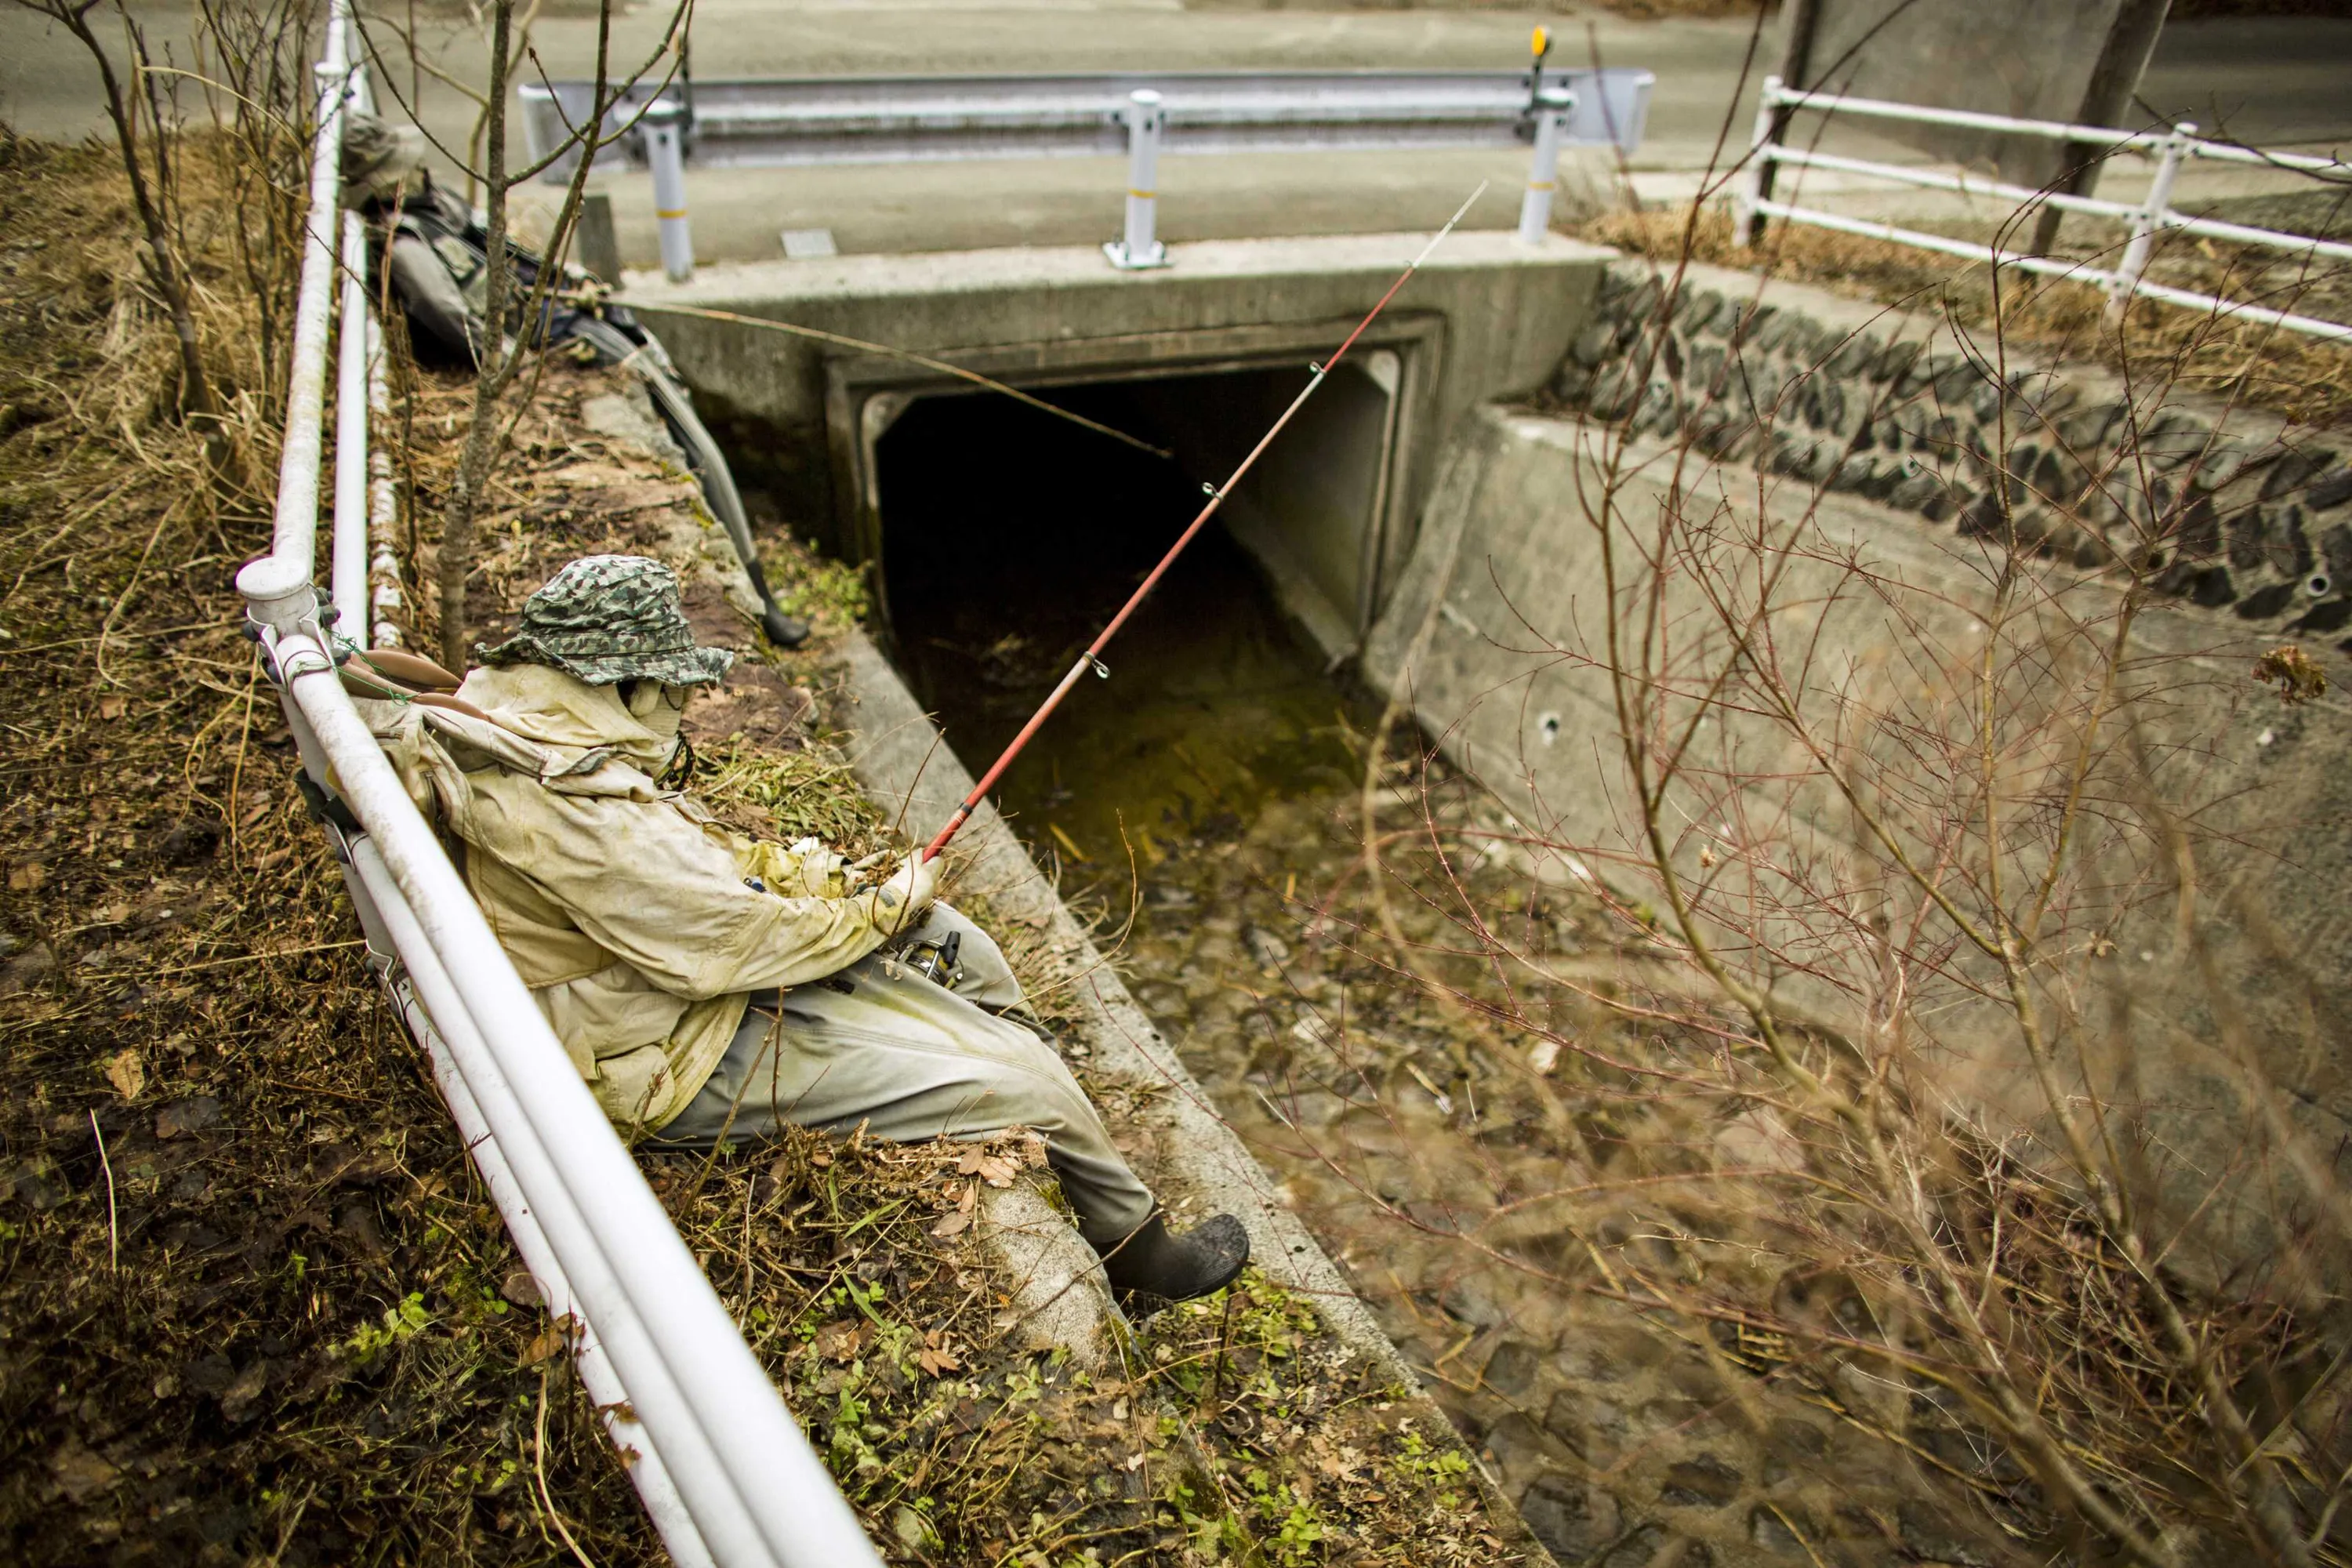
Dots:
pixel 1861 1063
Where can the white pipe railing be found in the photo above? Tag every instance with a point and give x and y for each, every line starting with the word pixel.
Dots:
pixel 294 538
pixel 347 578
pixel 726 1475
pixel 2145 219
pixel 409 987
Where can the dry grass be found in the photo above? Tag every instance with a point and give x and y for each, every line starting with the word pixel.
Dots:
pixel 2306 380
pixel 251 1293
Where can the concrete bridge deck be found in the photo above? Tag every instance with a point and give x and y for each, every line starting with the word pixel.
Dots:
pixel 1331 510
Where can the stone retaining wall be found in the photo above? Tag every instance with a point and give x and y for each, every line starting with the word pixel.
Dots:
pixel 2231 508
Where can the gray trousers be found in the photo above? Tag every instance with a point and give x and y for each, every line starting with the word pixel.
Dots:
pixel 881 1045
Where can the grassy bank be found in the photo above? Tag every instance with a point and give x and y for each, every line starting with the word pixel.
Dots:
pixel 255 1307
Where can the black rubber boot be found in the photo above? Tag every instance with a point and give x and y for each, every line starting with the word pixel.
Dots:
pixel 784 630
pixel 1155 1262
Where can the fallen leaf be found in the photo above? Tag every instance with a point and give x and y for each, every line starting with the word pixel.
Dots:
pixel 186 1116
pixel 127 1073
pixel 935 1357
pixel 27 877
pixel 970 1163
pixel 969 1197
pixel 27 969
pixel 79 1471
pixel 109 707
pixel 844 1341
pixel 238 1397
pixel 821 1159
pixel 2298 679
pixel 998 1172
pixel 549 1341
pixel 955 1224
pixel 1032 1150
pixel 522 1288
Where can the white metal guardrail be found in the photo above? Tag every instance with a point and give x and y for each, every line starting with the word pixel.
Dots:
pixel 726 1477
pixel 2144 219
pixel 860 120
pixel 795 121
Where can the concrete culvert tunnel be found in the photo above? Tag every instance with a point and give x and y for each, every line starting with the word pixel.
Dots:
pixel 1009 536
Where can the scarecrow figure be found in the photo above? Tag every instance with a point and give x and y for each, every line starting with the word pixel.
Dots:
pixel 434 252
pixel 714 988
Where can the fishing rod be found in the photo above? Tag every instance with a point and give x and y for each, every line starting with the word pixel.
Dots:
pixel 1092 658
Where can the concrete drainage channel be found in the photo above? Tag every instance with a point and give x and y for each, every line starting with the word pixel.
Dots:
pixel 1605 1445
pixel 1055 1300
pixel 897 756
pixel 1198 357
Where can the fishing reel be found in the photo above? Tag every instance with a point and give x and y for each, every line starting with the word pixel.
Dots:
pixel 936 960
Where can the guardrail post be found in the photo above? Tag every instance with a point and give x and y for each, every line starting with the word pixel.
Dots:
pixel 1552 107
pixel 1747 223
pixel 2145 223
pixel 1139 248
pixel 665 127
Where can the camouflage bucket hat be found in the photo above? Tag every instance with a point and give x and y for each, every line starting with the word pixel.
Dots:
pixel 611 617
pixel 378 156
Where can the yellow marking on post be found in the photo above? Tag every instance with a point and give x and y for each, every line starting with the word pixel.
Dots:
pixel 660 213
pixel 1541 185
pixel 1143 195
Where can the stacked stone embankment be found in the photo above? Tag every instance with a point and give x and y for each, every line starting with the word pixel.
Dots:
pixel 2230 508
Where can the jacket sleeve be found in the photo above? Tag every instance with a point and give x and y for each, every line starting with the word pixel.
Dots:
pixel 667 894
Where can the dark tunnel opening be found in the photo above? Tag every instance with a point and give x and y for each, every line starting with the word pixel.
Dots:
pixel 1010 537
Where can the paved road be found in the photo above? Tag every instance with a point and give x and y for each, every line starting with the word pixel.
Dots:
pixel 2276 81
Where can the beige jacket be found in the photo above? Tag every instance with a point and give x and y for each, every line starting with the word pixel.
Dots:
pixel 626 908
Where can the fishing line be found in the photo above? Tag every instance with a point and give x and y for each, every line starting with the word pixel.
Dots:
pixel 818 334
pixel 1092 658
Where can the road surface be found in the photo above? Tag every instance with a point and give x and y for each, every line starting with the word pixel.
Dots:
pixel 2274 81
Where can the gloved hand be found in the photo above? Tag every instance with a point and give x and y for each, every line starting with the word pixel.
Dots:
pixel 899 902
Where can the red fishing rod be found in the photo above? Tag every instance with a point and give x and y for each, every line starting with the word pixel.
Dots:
pixel 1091 658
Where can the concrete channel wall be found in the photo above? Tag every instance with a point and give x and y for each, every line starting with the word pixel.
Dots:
pixel 1905 436
pixel 1893 406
